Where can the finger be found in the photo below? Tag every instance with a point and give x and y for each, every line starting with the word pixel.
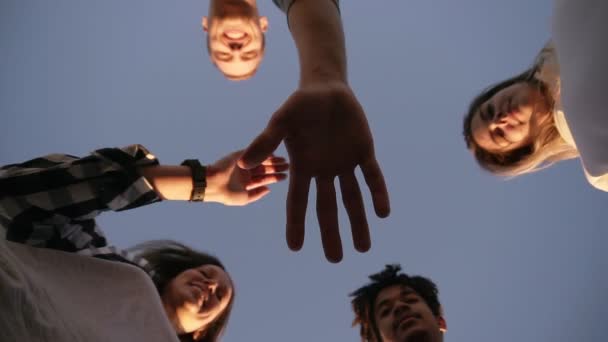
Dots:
pixel 297 200
pixel 259 181
pixel 327 214
pixel 353 203
pixel 266 169
pixel 262 146
pixel 256 194
pixel 377 186
pixel 274 160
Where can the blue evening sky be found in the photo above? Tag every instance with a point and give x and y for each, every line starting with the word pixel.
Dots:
pixel 518 260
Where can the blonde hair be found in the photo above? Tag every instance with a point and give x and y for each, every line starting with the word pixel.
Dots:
pixel 547 145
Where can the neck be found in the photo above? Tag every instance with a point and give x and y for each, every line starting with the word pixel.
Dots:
pixel 170 312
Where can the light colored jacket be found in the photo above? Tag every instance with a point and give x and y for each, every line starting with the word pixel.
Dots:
pixel 549 73
pixel 580 35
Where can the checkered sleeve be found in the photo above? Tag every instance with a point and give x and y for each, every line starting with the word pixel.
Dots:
pixel 52 201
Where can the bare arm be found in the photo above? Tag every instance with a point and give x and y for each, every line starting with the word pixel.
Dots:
pixel 226 183
pixel 316 28
pixel 169 182
pixel 325 132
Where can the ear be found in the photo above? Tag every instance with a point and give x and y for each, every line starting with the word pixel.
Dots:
pixel 205 24
pixel 264 24
pixel 443 326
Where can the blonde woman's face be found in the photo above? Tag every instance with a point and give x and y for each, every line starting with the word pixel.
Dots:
pixel 505 121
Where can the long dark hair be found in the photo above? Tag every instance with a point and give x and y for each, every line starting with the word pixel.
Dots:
pixel 167 259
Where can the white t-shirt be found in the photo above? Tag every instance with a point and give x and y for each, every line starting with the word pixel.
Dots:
pixel 54 296
pixel 580 35
pixel 549 72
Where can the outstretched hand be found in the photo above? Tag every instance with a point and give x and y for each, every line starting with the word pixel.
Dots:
pixel 327 136
pixel 231 185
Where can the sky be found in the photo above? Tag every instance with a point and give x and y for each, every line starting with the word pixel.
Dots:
pixel 515 260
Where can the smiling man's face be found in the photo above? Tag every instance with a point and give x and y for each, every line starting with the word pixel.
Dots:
pixel 401 315
pixel 235 38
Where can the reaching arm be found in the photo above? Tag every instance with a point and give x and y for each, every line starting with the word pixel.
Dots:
pixel 226 183
pixel 325 132
pixel 52 201
pixel 317 31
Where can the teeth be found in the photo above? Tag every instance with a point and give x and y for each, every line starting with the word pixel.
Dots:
pixel 235 34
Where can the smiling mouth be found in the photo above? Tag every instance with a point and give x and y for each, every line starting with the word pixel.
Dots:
pixel 405 322
pixel 203 297
pixel 235 34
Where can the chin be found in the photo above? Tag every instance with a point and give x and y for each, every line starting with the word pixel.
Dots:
pixel 416 334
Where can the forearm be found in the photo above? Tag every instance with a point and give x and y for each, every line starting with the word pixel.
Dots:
pixel 174 183
pixel 316 28
pixel 169 182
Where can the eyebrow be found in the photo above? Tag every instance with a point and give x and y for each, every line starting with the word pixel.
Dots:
pixel 215 54
pixel 402 293
pixel 209 271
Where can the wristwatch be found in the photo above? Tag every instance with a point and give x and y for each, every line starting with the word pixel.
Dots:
pixel 199 179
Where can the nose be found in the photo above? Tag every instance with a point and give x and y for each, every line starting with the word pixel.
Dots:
pixel 500 120
pixel 497 124
pixel 212 286
pixel 500 117
pixel 400 309
pixel 235 45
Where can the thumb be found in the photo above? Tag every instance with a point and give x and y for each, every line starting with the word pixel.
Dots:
pixel 261 147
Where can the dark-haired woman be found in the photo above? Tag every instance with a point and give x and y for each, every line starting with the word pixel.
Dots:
pixel 156 291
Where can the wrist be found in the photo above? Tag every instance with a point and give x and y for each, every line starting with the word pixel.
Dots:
pixel 198 177
pixel 212 191
pixel 322 74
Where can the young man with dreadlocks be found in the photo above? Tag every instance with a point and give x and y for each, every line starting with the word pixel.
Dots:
pixel 396 307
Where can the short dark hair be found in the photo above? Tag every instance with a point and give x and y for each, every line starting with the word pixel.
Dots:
pixel 167 259
pixel 364 297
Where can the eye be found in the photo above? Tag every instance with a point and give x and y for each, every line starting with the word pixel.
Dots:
pixel 384 312
pixel 249 55
pixel 490 112
pixel 222 56
pixel 411 300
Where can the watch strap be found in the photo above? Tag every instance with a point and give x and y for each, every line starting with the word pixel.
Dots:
pixel 199 179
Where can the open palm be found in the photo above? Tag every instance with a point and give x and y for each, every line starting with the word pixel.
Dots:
pixel 231 185
pixel 327 136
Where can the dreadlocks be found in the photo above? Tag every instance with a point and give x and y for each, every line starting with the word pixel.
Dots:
pixel 364 298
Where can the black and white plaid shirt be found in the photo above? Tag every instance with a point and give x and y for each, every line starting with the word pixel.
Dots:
pixel 52 201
